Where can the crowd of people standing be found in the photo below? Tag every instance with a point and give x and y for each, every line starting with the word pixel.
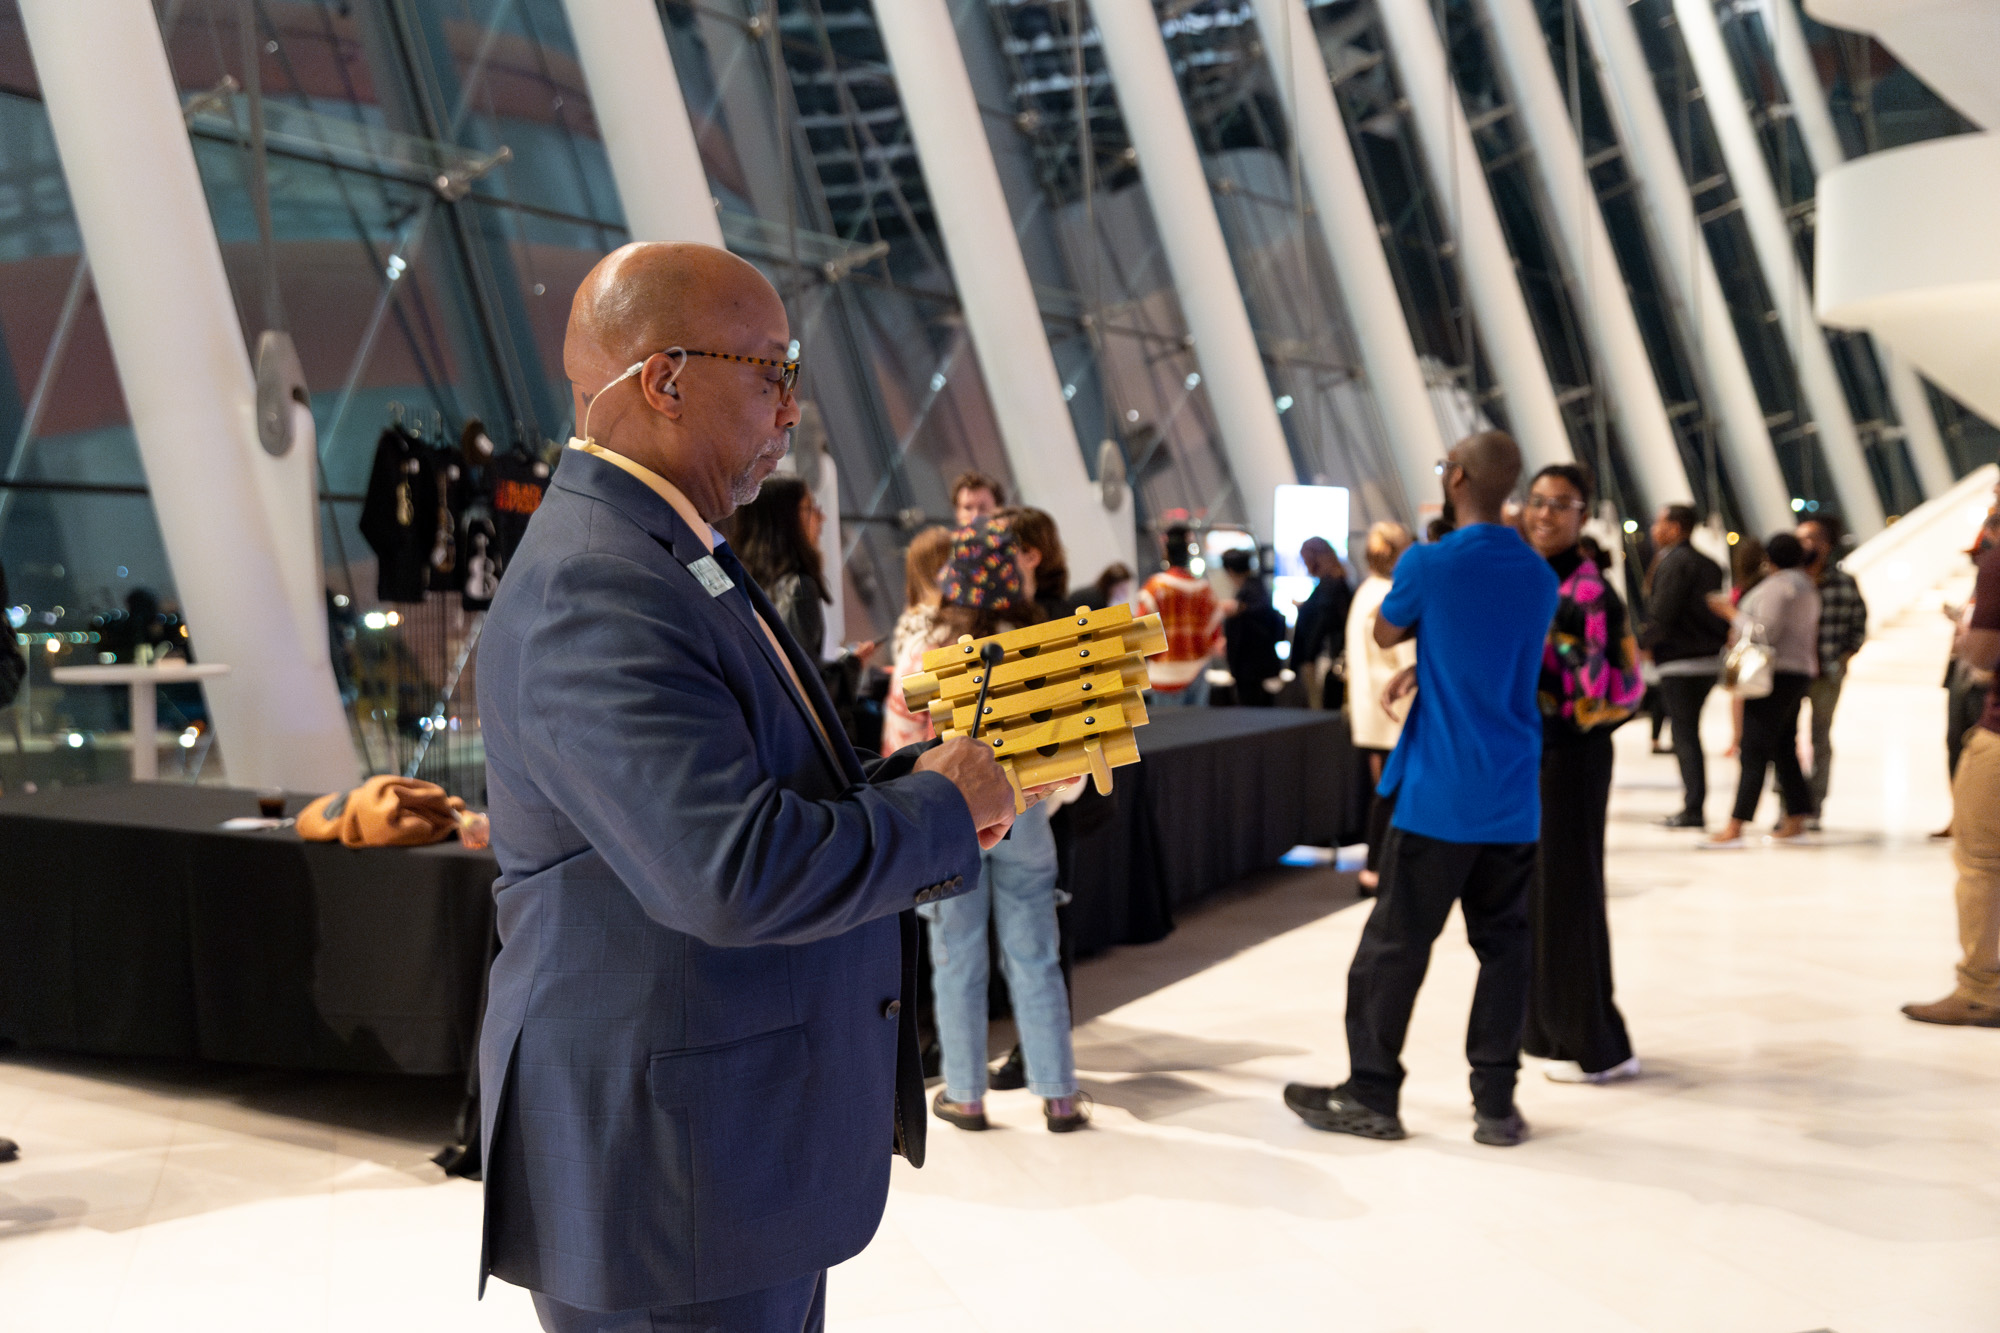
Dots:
pixel 1505 624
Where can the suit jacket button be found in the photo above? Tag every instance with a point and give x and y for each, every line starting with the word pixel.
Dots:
pixel 890 1008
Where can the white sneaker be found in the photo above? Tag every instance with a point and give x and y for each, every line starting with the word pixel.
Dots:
pixel 1569 1071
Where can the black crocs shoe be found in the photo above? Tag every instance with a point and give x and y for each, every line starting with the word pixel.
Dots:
pixel 1336 1111
pixel 1010 1075
pixel 1503 1131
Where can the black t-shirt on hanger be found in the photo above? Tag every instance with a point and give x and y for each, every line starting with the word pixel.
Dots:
pixel 399 516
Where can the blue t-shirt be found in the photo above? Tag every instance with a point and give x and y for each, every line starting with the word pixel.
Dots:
pixel 1468 768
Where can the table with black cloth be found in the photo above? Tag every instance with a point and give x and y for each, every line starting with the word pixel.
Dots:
pixel 1219 793
pixel 130 924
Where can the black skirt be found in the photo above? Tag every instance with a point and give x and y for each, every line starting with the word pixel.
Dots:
pixel 1571 1015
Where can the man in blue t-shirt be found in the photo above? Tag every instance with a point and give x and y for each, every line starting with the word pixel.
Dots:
pixel 1466 781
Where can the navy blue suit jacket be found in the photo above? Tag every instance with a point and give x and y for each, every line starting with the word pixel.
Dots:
pixel 693 1025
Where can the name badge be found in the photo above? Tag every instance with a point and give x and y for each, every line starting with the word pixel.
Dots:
pixel 711 576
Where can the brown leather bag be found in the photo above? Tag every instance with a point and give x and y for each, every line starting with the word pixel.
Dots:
pixel 385 811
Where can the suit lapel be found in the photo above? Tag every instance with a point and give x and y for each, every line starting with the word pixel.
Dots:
pixel 749 607
pixel 587 475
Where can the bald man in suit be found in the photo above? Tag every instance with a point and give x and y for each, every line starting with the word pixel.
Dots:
pixel 699 1030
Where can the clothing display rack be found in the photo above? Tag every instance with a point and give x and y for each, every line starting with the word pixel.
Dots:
pixel 443 512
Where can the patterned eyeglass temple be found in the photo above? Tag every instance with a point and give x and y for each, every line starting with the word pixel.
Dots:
pixel 788 370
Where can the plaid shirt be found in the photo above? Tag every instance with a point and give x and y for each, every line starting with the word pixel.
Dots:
pixel 1843 618
pixel 1188 613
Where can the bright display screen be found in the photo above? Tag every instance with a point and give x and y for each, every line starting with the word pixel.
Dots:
pixel 1302 512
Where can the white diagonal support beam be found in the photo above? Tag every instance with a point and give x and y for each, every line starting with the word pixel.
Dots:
pixel 1225 346
pixel 187 380
pixel 1603 300
pixel 635 96
pixel 1677 243
pixel 993 285
pixel 1485 265
pixel 1354 243
pixel 1771 237
pixel 1807 97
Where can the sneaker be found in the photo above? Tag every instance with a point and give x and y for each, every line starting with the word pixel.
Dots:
pixel 1010 1075
pixel 1335 1111
pixel 1066 1115
pixel 1685 819
pixel 1507 1131
pixel 967 1115
pixel 1569 1071
pixel 1956 1010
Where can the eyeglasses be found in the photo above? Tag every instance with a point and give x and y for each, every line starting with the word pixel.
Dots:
pixel 788 374
pixel 1446 463
pixel 1554 505
pixel 788 371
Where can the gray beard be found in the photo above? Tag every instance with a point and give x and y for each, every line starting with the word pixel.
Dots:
pixel 744 488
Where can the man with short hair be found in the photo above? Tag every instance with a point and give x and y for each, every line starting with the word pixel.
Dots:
pixel 974 495
pixel 699 1043
pixel 1843 628
pixel 1191 615
pixel 1322 625
pixel 1466 778
pixel 1684 639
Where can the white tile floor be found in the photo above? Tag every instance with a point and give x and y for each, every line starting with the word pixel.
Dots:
pixel 1799 1156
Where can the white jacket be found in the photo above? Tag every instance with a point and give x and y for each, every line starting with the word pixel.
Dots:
pixel 1370 669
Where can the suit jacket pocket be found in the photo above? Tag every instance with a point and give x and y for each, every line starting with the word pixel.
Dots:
pixel 750 1127
pixel 744 1071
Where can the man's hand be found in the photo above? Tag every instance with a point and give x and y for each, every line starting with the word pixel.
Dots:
pixel 971 768
pixel 1401 685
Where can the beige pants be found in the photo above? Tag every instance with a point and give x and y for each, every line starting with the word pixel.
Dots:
pixel 1975 794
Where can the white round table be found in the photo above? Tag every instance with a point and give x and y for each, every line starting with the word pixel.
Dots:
pixel 143 680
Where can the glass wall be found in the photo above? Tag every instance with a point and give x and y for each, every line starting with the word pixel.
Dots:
pixel 82 552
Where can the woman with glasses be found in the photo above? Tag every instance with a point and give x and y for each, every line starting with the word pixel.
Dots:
pixel 1590 683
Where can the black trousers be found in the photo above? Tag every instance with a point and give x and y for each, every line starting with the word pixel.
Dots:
pixel 1421 878
pixel 1571 1015
pixel 1683 697
pixel 1771 740
pixel 1380 808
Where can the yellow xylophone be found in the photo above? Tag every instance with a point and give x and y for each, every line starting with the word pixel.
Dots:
pixel 1064 697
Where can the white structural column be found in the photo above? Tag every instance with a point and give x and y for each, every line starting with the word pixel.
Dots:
pixel 1347 225
pixel 1809 112
pixel 187 380
pixel 1771 237
pixel 189 385
pixel 1170 169
pixel 1699 307
pixel 1485 265
pixel 1001 315
pixel 636 97
pixel 1603 300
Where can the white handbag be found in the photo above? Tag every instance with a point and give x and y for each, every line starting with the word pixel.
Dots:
pixel 1749 671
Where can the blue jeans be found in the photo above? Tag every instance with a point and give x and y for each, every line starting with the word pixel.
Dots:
pixel 1017 890
pixel 1194 696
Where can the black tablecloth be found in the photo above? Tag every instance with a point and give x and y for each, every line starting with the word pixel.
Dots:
pixel 131 925
pixel 1219 793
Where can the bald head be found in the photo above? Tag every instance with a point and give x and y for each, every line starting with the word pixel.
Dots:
pixel 1491 464
pixel 708 405
pixel 651 295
